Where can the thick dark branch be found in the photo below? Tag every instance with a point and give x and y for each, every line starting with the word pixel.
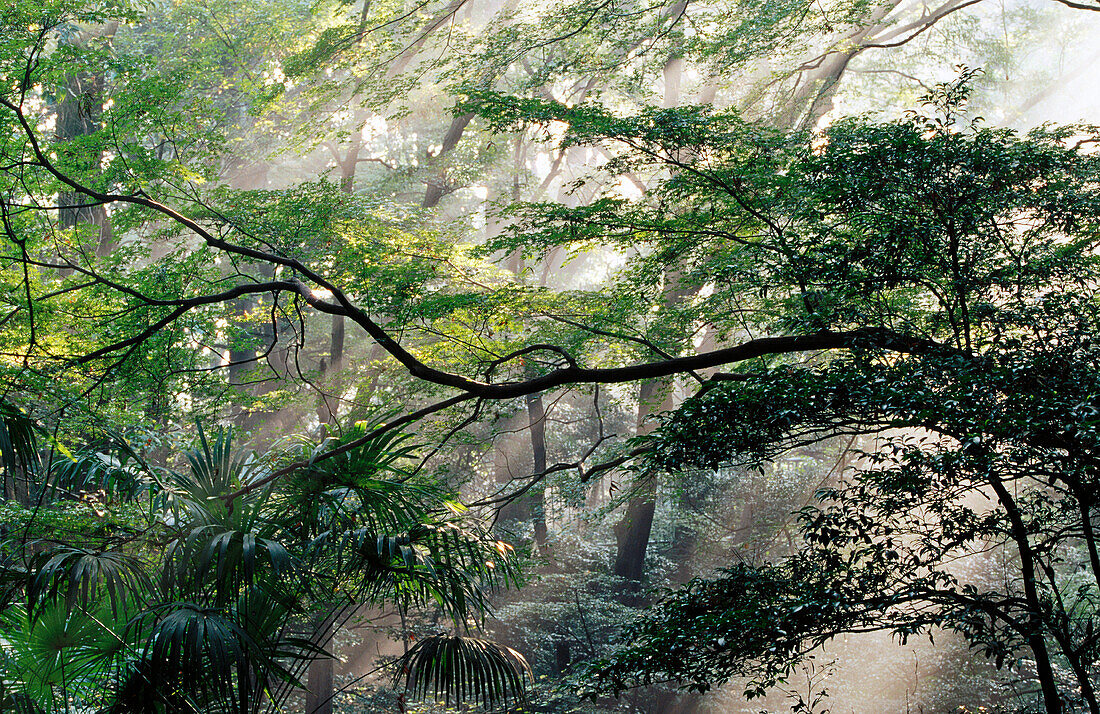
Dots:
pixel 181 307
pixel 1079 6
pixel 870 337
pixel 573 374
pixel 344 306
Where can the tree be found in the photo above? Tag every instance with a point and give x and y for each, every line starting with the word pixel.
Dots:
pixel 978 244
pixel 725 195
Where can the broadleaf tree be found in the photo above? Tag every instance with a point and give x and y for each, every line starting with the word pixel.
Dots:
pixel 932 254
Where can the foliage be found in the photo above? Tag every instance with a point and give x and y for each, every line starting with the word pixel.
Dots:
pixel 166 256
pixel 977 244
pixel 446 666
pixel 201 606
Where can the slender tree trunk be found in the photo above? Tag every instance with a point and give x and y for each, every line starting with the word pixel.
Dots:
pixel 437 186
pixel 633 531
pixel 319 679
pixel 253 332
pixel 328 403
pixel 536 418
pixel 1035 637
pixel 242 349
pixel 78 114
pixel 328 408
pixel 530 506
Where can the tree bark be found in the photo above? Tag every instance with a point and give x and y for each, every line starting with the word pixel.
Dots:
pixel 319 680
pixel 633 531
pixel 437 187
pixel 78 115
pixel 1035 638
pixel 814 98
pixel 536 419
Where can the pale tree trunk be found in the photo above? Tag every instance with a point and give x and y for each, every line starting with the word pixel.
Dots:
pixel 248 315
pixel 654 396
pixel 530 507
pixel 78 114
pixel 536 408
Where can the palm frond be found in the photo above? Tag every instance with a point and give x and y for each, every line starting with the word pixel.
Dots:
pixel 13 578
pixel 77 575
pixel 464 670
pixel 61 652
pixel 228 559
pixel 214 659
pixel 99 469
pixel 18 439
pixel 370 485
pixel 193 653
pixel 18 703
pixel 216 470
pixel 441 563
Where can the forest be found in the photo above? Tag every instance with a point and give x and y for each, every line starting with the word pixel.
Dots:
pixel 571 356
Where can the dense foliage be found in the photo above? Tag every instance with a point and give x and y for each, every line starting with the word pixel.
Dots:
pixel 600 266
pixel 956 265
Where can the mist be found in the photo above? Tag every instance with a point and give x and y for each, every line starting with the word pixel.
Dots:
pixel 529 307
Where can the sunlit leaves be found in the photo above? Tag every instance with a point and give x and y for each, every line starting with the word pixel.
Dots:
pixel 61 650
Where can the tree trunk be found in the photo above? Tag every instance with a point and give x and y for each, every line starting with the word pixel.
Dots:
pixel 814 97
pixel 536 416
pixel 633 531
pixel 437 186
pixel 78 114
pixel 331 389
pixel 1035 638
pixel 242 350
pixel 319 681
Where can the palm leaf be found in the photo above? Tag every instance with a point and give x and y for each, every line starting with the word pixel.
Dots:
pixel 439 564
pixel 216 470
pixel 191 654
pixel 99 469
pixel 231 560
pixel 465 670
pixel 77 576
pixel 370 485
pixel 18 439
pixel 75 651
pixel 214 659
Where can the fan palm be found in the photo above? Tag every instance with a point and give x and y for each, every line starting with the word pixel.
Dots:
pixel 60 656
pixel 18 438
pixel 389 536
pixel 465 669
pixel 206 613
